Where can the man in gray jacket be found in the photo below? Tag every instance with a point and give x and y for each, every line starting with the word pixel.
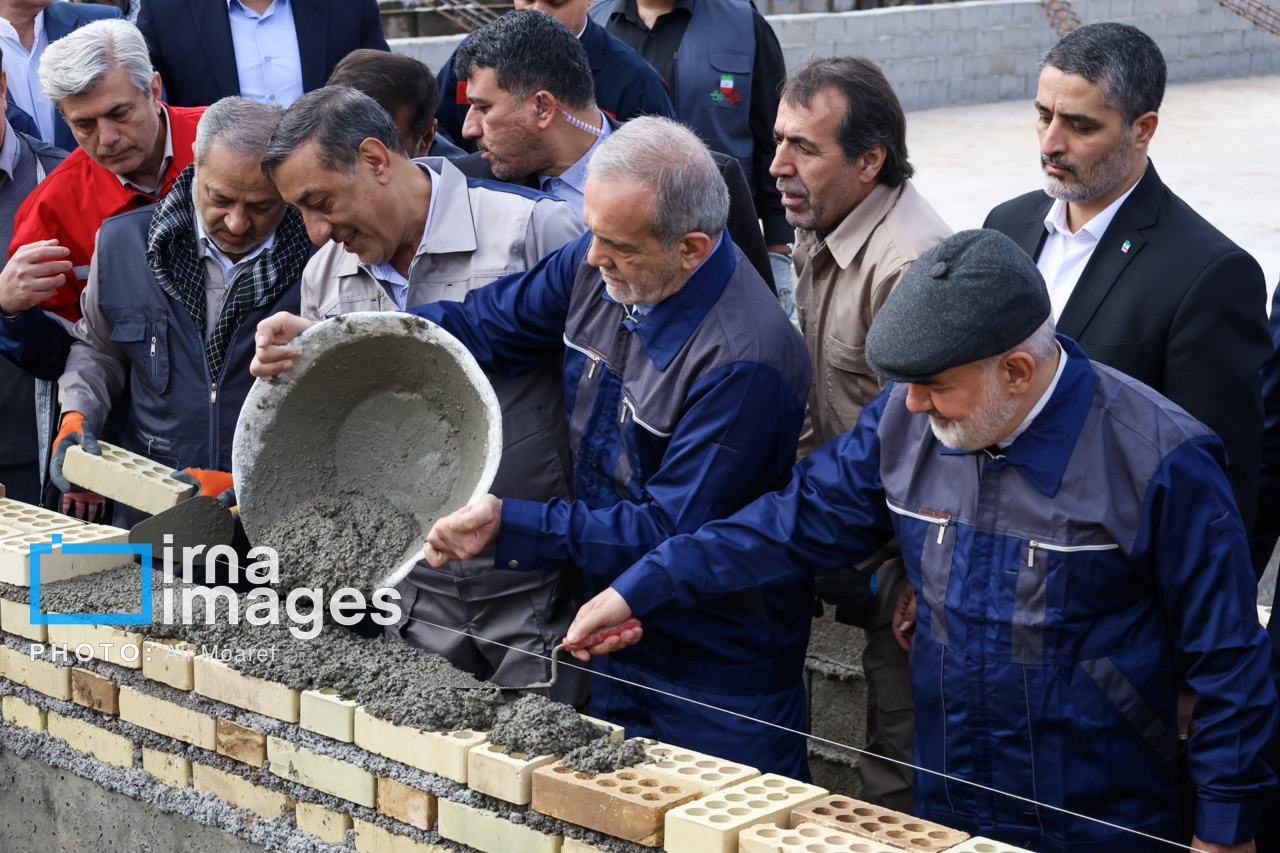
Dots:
pixel 404 233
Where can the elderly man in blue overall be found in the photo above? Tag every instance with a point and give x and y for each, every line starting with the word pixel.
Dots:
pixel 1072 542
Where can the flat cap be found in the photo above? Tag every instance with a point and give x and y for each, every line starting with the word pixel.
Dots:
pixel 972 296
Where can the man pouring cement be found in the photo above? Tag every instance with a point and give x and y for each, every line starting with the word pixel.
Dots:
pixel 1072 539
pixel 685 390
pixel 400 233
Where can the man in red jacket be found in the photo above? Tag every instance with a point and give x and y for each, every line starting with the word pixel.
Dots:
pixel 132 147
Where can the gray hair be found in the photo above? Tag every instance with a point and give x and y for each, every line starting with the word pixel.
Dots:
pixel 242 125
pixel 77 62
pixel 1041 346
pixel 689 193
pixel 339 119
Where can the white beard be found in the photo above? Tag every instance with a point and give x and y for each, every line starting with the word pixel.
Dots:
pixel 980 428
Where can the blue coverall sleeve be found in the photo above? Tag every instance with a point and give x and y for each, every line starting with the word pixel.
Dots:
pixel 35 342
pixel 832 513
pixel 737 436
pixel 1207 589
pixel 511 324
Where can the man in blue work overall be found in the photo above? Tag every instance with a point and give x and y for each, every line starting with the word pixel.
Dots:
pixel 1071 538
pixel 685 387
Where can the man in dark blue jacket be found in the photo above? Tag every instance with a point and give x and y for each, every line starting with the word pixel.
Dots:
pixel 265 50
pixel 685 386
pixel 1071 538
pixel 175 291
pixel 625 85
pixel 31 30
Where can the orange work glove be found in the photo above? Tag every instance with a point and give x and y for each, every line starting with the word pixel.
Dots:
pixel 86 506
pixel 210 482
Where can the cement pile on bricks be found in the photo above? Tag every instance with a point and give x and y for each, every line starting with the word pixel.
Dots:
pixel 603 756
pixel 537 726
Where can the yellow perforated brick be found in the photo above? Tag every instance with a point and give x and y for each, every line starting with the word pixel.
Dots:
pixel 712 824
pixel 26 518
pixel 881 824
pixel 702 773
pixel 490 833
pixel 443 753
pixel 325 712
pixel 810 837
pixel 126 477
pixel 325 773
pixel 627 803
pixel 15 618
pixel 507 777
pixel 216 680
pixel 101 744
pixel 167 718
pixel 56 565
pixel 19 713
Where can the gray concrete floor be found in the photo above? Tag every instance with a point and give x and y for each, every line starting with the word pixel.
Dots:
pixel 1216 147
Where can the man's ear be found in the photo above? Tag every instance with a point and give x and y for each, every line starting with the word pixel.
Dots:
pixel 694 248
pixel 427 140
pixel 1144 127
pixel 156 90
pixel 1017 371
pixel 544 109
pixel 870 162
pixel 377 158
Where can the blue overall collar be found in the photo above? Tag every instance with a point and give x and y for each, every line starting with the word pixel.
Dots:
pixel 667 327
pixel 1042 452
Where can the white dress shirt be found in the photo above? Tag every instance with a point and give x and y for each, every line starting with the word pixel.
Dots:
pixel 220 272
pixel 23 69
pixel 267 59
pixel 165 162
pixel 397 286
pixel 1065 255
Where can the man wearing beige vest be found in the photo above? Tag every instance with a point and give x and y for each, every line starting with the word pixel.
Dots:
pixel 841 166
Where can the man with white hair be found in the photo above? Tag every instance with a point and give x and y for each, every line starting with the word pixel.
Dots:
pixel 685 388
pixel 174 293
pixel 1073 542
pixel 132 149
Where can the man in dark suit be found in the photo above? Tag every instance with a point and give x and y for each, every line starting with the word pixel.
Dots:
pixel 265 50
pixel 537 122
pixel 1137 277
pixel 625 85
pixel 32 26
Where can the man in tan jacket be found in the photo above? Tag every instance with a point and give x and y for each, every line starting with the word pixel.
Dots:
pixel 399 233
pixel 841 165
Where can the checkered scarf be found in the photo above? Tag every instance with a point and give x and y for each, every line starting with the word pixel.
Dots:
pixel 173 255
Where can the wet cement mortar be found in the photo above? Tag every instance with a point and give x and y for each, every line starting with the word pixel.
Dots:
pixel 538 726
pixel 605 756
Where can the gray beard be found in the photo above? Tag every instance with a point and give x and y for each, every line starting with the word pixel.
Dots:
pixel 1091 183
pixel 979 430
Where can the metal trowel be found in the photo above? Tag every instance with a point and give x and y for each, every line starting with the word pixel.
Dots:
pixel 200 520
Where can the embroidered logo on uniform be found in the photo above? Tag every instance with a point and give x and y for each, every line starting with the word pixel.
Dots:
pixel 1125 248
pixel 726 92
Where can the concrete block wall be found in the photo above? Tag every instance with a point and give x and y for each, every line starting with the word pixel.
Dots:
pixel 989 50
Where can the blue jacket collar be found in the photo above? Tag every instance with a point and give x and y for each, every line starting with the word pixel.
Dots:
pixel 1041 453
pixel 666 329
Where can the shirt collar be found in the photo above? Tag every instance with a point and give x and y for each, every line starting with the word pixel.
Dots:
pixel 853 232
pixel 164 162
pixel 670 323
pixel 206 248
pixel 7 30
pixel 384 270
pixel 631 11
pixel 1056 219
pixel 1041 453
pixel 576 175
pixel 1040 404
pixel 271 10
pixel 9 150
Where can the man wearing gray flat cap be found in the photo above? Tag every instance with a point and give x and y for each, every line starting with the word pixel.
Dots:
pixel 1072 541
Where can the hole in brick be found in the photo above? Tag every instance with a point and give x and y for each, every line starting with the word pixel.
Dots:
pixel 606 783
pixel 628 776
pixel 329 691
pixel 755 789
pixel 864 811
pixel 493 747
pixel 922 842
pixel 767 833
pixel 705 764
pixel 810 832
pixel 130 465
pixel 729 770
pixel 154 475
pixel 860 848
pixel 519 756
pixel 684 757
pixel 716 804
pixel 651 797
pixel 841 804
pixel 777 798
pixel 712 777
pixel 986 848
pixel 758 804
pixel 773 783
pixel 630 789
pixel 734 798
pixel 720 818
pixel 581 775
pixel 938 833
pixel 648 783
pixel 670 789
pixel 796 790
pixel 870 826
pixel 822 810
pixel 793 841
pixel 463 735
pixel 896 833
pixel 562 769
pixel 817 848
pixel 739 811
pixel 911 827
pixel 696 812
pixel 836 840
pixel 891 819
pixel 687 771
